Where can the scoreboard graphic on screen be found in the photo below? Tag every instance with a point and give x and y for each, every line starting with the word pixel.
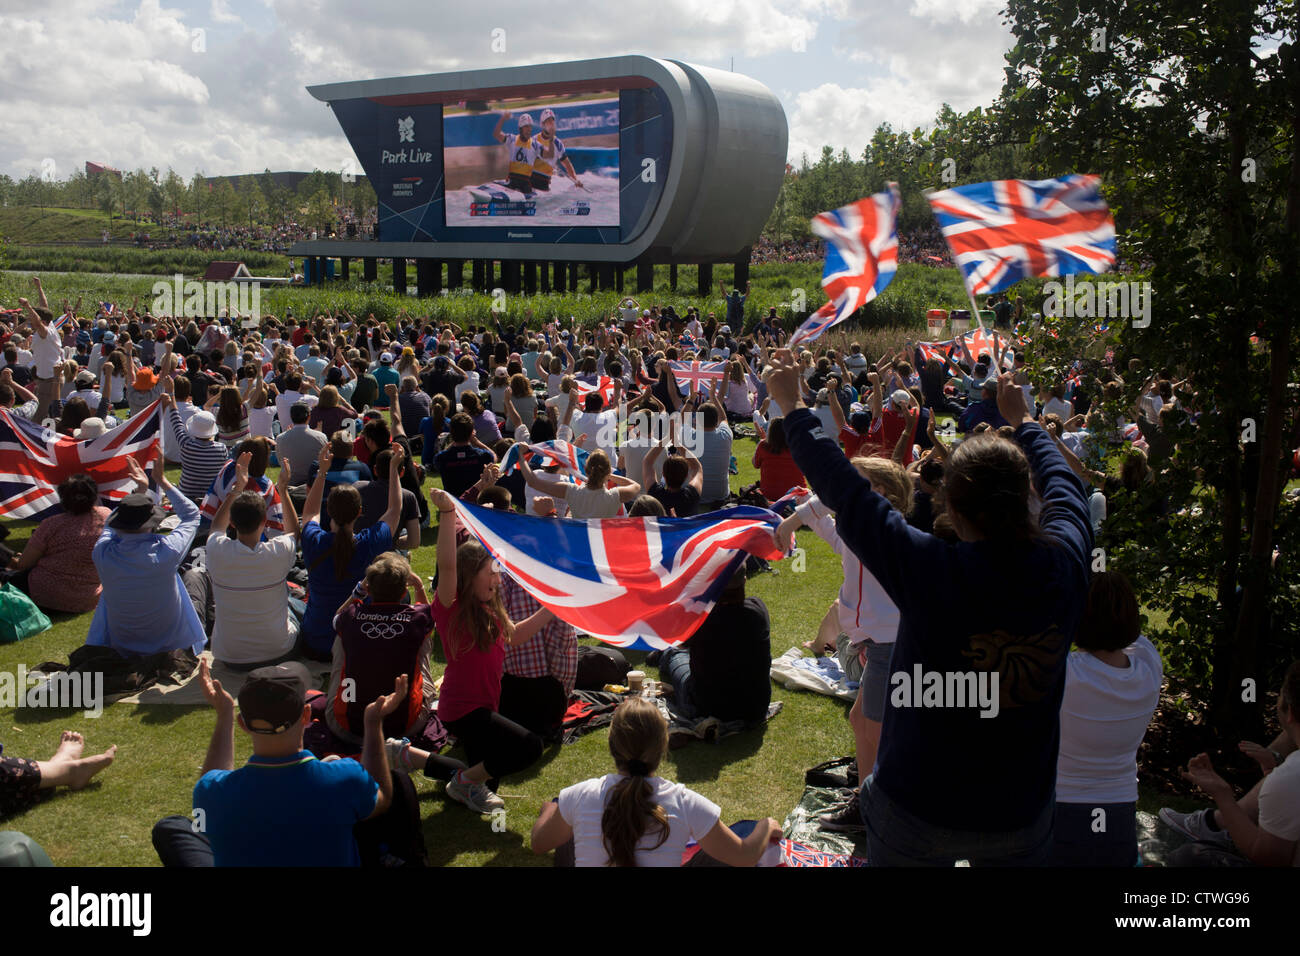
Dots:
pixel 596 160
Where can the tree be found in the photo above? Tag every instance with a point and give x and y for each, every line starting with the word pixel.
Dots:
pixel 224 201
pixel 1200 129
pixel 320 210
pixel 362 198
pixel 107 188
pixel 198 197
pixel 173 191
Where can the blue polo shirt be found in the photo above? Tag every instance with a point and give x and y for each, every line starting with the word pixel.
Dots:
pixel 285 811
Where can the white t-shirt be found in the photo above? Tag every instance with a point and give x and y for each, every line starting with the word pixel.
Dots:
pixel 470 384
pixel 1058 406
pixel 1279 803
pixel 690 817
pixel 1104 715
pixel 865 610
pixel 588 502
pixel 46 352
pixel 601 429
pixel 287 400
pixel 252 620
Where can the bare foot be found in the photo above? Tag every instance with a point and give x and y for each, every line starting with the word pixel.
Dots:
pixel 71 744
pixel 85 768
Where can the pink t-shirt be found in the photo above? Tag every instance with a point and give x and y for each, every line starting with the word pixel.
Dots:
pixel 65 578
pixel 473 678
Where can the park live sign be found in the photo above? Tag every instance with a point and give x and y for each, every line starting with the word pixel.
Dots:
pixel 608 159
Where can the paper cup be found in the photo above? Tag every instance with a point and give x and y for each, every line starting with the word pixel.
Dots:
pixel 635 681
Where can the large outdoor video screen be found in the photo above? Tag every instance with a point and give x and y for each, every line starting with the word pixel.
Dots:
pixel 532 161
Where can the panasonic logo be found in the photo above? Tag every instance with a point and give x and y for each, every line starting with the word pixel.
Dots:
pixel 519 235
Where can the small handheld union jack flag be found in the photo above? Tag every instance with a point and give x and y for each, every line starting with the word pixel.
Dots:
pixel 693 376
pixel 1004 231
pixel 861 258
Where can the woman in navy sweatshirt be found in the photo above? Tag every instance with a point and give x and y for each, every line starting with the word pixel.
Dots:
pixel 967 761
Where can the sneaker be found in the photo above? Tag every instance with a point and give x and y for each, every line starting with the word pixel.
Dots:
pixel 1193 826
pixel 398 753
pixel 475 796
pixel 848 817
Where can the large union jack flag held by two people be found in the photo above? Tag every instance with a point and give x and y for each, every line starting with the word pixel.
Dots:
pixel 638 583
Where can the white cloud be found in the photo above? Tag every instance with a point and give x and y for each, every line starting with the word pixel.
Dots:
pixel 122 84
pixel 220 12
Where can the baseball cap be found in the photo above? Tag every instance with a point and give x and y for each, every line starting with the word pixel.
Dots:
pixel 85 379
pixel 500 373
pixel 272 698
pixel 202 425
pixel 900 398
pixel 386 358
pixel 548 114
pixel 525 119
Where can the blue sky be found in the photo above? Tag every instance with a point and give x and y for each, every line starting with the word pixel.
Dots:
pixel 132 83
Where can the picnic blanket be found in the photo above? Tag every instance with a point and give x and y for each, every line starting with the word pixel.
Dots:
pixel 821 675
pixel 176 682
pixel 591 710
pixel 190 692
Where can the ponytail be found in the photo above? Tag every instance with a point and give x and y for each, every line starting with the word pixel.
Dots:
pixel 629 814
pixel 638 740
pixel 343 506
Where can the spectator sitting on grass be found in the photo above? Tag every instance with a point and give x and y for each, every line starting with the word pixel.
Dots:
pixel 1263 827
pixel 635 817
pixel 21 779
pixel 283 807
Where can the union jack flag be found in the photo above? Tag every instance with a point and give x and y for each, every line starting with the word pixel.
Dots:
pixel 604 385
pixel 697 375
pixel 640 583
pixel 221 487
pixel 861 258
pixel 34 460
pixel 980 341
pixel 794 853
pixel 1004 231
pixel 570 457
pixel 794 496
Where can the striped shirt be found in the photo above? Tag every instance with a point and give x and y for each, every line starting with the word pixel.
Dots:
pixel 201 459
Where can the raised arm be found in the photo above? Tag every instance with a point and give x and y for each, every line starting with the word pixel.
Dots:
pixel 316 493
pixel 446 506
pixel 282 482
pixel 221 519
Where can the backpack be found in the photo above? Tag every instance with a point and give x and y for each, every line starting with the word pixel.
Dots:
pixel 395 837
pixel 19 616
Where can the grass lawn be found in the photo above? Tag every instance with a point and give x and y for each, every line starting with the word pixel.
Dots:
pixel 161 748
